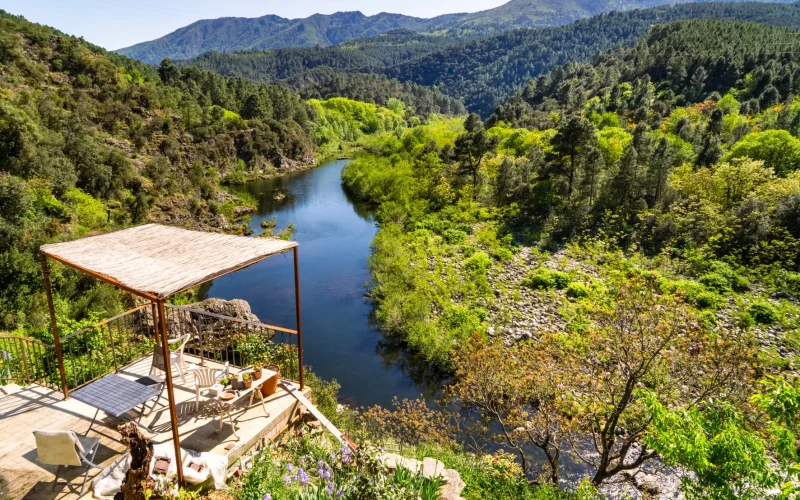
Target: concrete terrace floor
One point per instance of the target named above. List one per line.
(23, 410)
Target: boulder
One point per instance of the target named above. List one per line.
(432, 467)
(392, 461)
(180, 322)
(453, 486)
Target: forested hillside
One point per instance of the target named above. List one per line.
(274, 32)
(325, 83)
(318, 72)
(620, 243)
(481, 73)
(372, 53)
(232, 34)
(486, 72)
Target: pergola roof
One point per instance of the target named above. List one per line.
(156, 260)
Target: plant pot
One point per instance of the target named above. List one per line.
(256, 375)
(270, 386)
(247, 383)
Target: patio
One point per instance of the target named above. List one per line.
(23, 410)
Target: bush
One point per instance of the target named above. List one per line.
(763, 312)
(502, 254)
(716, 282)
(546, 279)
(478, 264)
(454, 236)
(577, 290)
(709, 300)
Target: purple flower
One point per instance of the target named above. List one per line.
(301, 474)
(323, 470)
(289, 468)
(346, 454)
(267, 497)
(287, 479)
(329, 488)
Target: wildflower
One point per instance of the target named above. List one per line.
(267, 497)
(287, 479)
(5, 355)
(329, 488)
(301, 474)
(323, 470)
(289, 468)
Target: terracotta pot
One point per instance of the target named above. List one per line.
(270, 386)
(256, 375)
(247, 383)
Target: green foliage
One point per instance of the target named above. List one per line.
(763, 312)
(544, 278)
(577, 290)
(454, 236)
(728, 459)
(88, 211)
(778, 149)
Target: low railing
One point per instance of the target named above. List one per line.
(105, 347)
(24, 360)
(237, 341)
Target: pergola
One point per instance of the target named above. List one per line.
(155, 262)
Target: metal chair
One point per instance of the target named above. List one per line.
(175, 357)
(66, 449)
(205, 378)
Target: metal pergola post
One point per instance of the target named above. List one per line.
(54, 325)
(162, 319)
(299, 318)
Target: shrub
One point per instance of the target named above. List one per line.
(709, 300)
(454, 236)
(577, 290)
(89, 211)
(479, 263)
(546, 279)
(502, 254)
(716, 282)
(763, 312)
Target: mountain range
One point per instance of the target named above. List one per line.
(231, 34)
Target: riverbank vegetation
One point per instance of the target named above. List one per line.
(613, 256)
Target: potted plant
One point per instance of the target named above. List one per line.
(257, 368)
(247, 380)
(270, 386)
(225, 381)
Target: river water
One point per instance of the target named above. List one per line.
(334, 234)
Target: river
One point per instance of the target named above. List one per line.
(334, 234)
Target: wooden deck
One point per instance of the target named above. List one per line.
(23, 410)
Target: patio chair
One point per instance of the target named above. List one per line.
(175, 357)
(205, 378)
(66, 449)
(158, 384)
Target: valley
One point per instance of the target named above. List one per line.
(554, 246)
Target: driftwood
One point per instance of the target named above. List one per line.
(137, 480)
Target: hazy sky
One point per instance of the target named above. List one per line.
(114, 24)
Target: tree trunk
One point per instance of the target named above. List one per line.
(137, 480)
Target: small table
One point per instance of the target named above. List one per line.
(226, 407)
(114, 395)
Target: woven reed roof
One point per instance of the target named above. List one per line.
(162, 260)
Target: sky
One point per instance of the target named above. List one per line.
(114, 24)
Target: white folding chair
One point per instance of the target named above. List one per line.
(66, 449)
(205, 378)
(175, 357)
